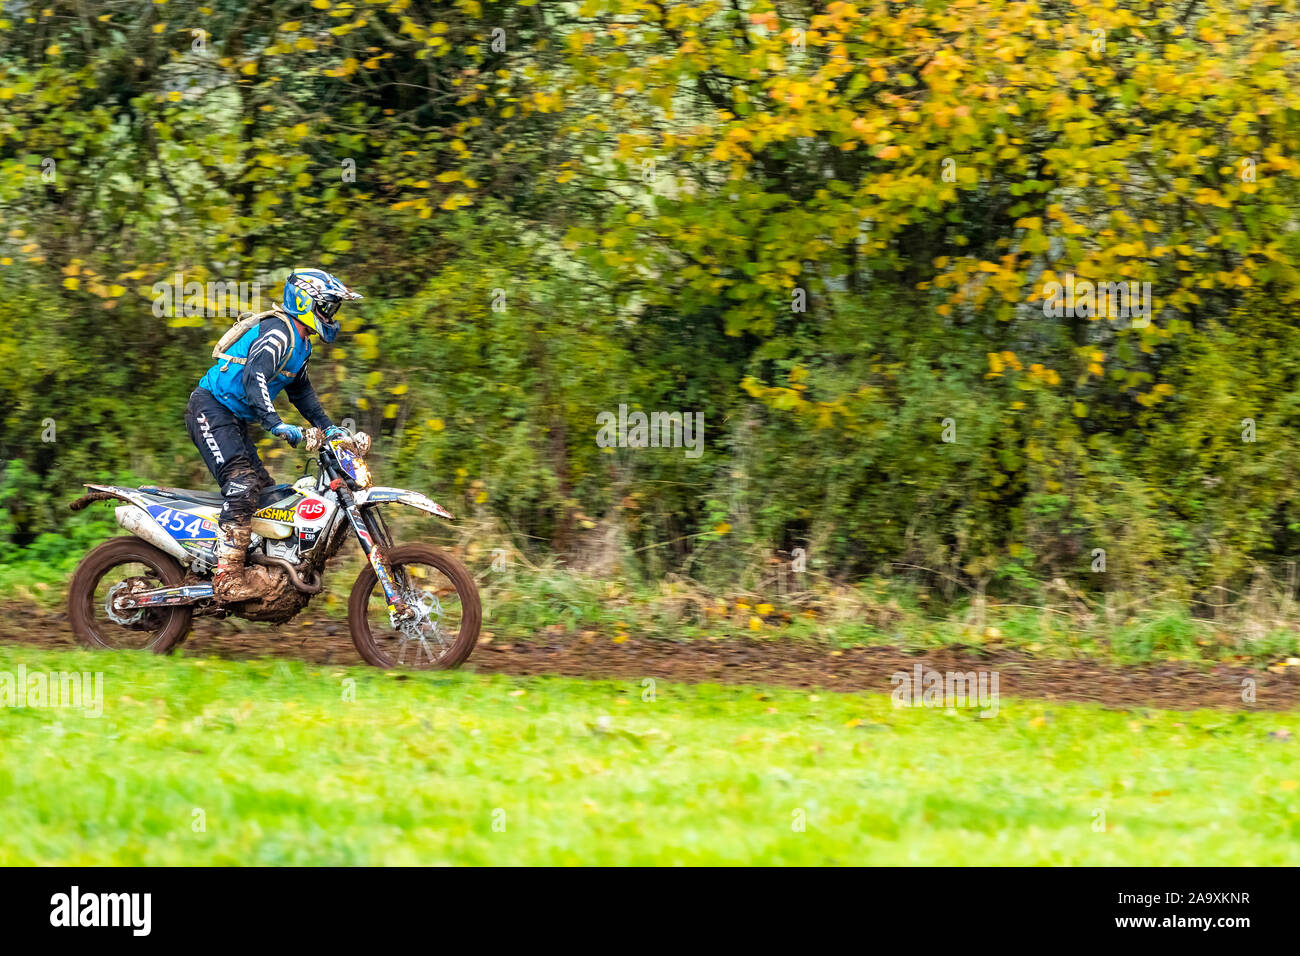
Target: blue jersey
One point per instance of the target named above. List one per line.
(275, 355)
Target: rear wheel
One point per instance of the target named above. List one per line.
(448, 612)
(125, 564)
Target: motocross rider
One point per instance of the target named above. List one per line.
(231, 394)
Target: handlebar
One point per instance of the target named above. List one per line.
(356, 442)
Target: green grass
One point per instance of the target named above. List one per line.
(415, 771)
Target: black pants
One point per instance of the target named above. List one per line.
(222, 439)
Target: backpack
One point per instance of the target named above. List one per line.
(248, 320)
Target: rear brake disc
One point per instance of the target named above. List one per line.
(127, 586)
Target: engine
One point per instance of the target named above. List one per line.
(289, 531)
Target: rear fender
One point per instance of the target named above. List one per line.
(136, 517)
(374, 496)
(105, 492)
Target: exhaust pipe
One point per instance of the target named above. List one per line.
(314, 586)
(137, 521)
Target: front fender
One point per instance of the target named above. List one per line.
(374, 496)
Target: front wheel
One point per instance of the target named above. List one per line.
(447, 618)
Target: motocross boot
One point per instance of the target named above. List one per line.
(233, 581)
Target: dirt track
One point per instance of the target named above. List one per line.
(742, 661)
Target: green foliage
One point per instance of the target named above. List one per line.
(556, 209)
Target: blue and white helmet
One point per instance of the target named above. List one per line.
(313, 297)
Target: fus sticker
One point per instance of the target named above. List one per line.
(311, 509)
(275, 514)
(182, 524)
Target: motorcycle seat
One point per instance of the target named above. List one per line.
(268, 496)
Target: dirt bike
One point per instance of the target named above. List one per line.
(142, 590)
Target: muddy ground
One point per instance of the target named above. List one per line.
(741, 660)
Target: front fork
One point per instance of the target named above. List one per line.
(397, 608)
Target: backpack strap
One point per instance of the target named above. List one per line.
(248, 320)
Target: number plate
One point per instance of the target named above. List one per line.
(183, 525)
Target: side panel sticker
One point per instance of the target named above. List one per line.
(183, 525)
